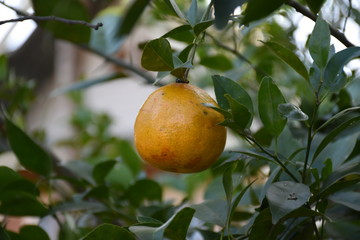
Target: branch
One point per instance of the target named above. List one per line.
(120, 63)
(306, 12)
(53, 18)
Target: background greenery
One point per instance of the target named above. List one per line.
(296, 173)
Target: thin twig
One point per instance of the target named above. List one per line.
(149, 79)
(237, 54)
(306, 12)
(53, 18)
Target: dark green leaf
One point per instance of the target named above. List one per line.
(315, 5)
(212, 211)
(184, 54)
(20, 185)
(225, 86)
(31, 232)
(60, 8)
(292, 112)
(7, 175)
(30, 154)
(217, 62)
(261, 227)
(178, 226)
(202, 26)
(132, 16)
(223, 10)
(192, 13)
(175, 8)
(289, 57)
(177, 30)
(269, 99)
(3, 234)
(157, 55)
(109, 231)
(286, 196)
(3, 67)
(85, 84)
(349, 199)
(333, 79)
(315, 77)
(21, 204)
(319, 43)
(257, 9)
(220, 110)
(341, 172)
(331, 136)
(240, 114)
(144, 189)
(101, 170)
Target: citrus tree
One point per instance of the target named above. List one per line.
(294, 173)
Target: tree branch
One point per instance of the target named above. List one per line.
(120, 63)
(53, 18)
(306, 12)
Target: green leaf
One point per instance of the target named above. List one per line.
(346, 169)
(286, 196)
(217, 62)
(348, 199)
(269, 99)
(289, 57)
(240, 114)
(175, 8)
(101, 170)
(18, 203)
(3, 67)
(319, 43)
(177, 30)
(292, 112)
(175, 228)
(202, 26)
(144, 189)
(75, 33)
(104, 39)
(130, 157)
(257, 9)
(3, 234)
(30, 154)
(223, 10)
(225, 86)
(315, 5)
(132, 16)
(212, 211)
(31, 232)
(331, 136)
(333, 73)
(157, 55)
(7, 175)
(85, 84)
(109, 231)
(192, 13)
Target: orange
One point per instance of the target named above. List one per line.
(175, 132)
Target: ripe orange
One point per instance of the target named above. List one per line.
(175, 132)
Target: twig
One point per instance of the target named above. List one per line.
(53, 18)
(306, 12)
(236, 53)
(120, 63)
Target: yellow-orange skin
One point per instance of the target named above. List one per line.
(175, 132)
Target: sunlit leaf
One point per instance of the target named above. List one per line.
(269, 99)
(30, 154)
(286, 196)
(289, 57)
(157, 55)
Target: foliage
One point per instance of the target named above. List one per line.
(295, 176)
